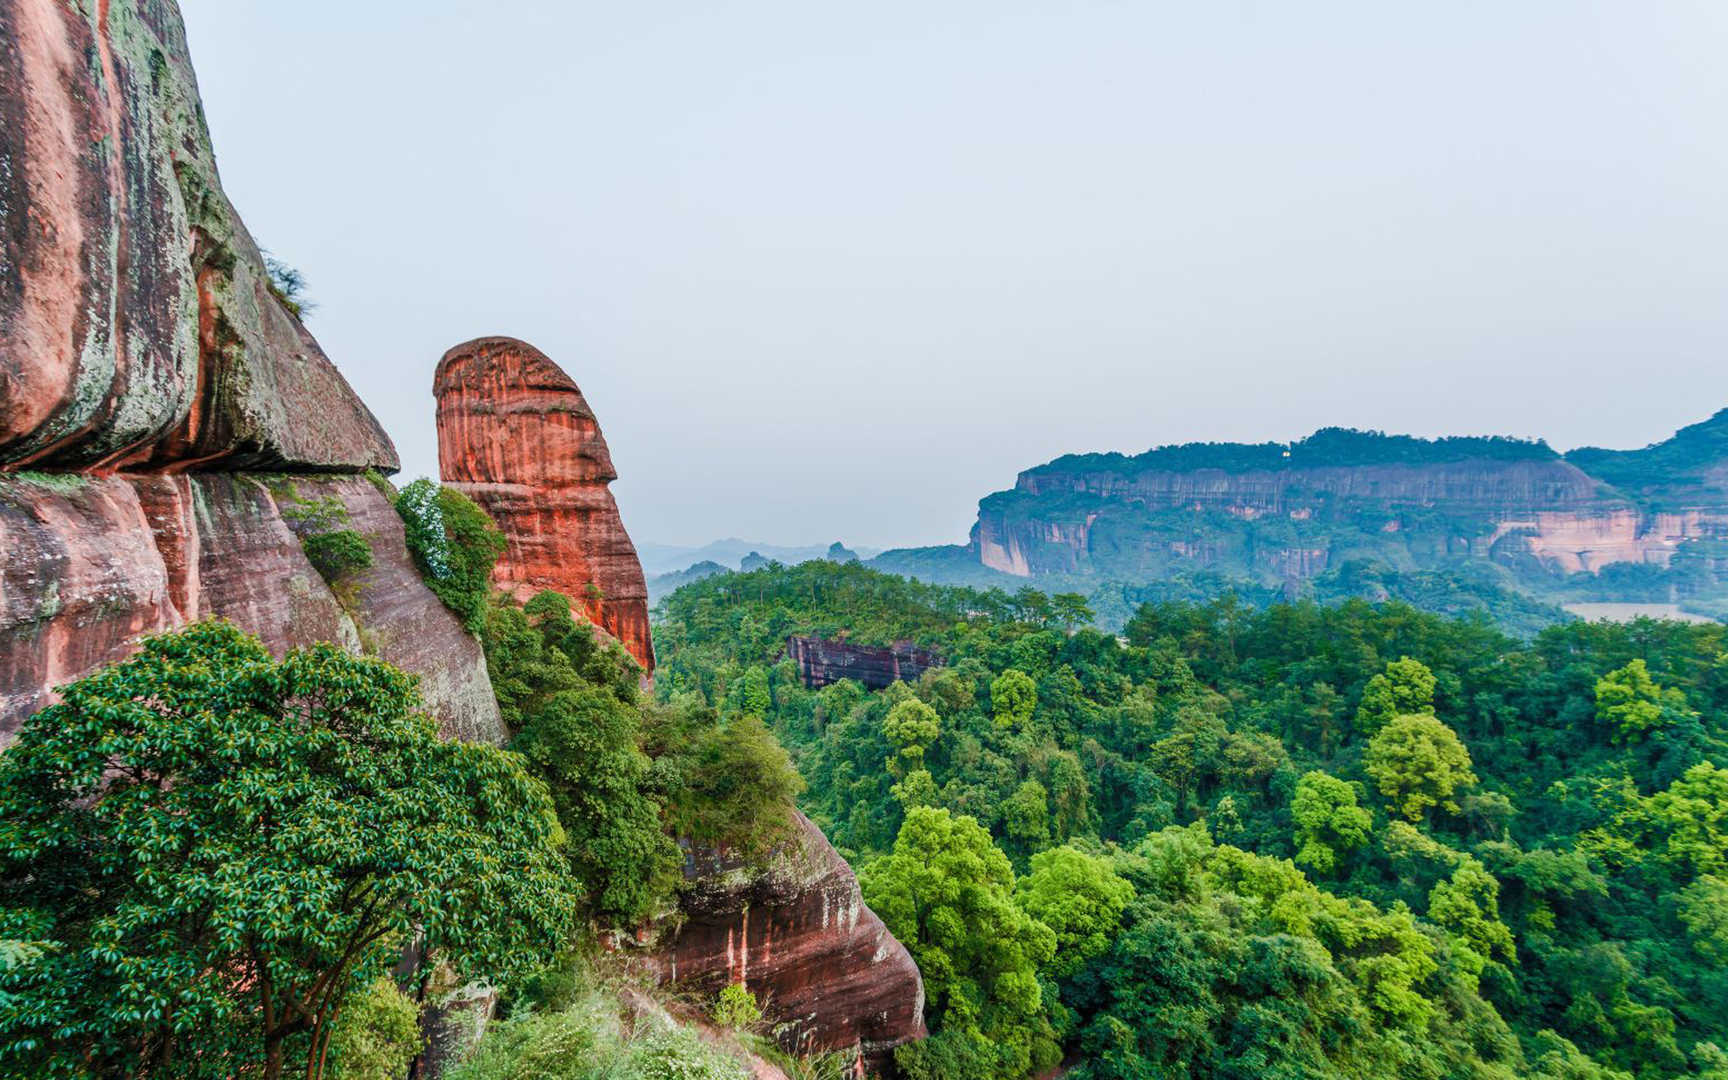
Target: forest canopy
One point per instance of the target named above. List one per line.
(1298, 841)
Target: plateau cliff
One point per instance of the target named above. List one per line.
(1591, 524)
(165, 418)
(516, 435)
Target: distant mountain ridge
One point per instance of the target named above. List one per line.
(1645, 525)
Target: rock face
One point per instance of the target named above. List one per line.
(93, 562)
(821, 662)
(138, 328)
(798, 936)
(1288, 512)
(517, 436)
(144, 361)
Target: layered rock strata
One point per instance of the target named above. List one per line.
(798, 935)
(146, 358)
(138, 324)
(94, 562)
(517, 436)
(821, 662)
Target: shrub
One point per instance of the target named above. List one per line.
(454, 544)
(377, 1035)
(736, 1008)
(335, 555)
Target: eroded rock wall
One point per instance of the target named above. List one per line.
(137, 325)
(145, 359)
(798, 936)
(517, 436)
(822, 662)
(94, 562)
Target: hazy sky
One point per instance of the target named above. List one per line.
(838, 270)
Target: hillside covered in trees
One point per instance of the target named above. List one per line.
(1303, 841)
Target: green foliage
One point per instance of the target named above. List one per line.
(585, 745)
(1704, 910)
(336, 555)
(735, 1008)
(287, 285)
(733, 788)
(454, 544)
(376, 1036)
(911, 726)
(587, 1041)
(335, 551)
(1417, 762)
(1013, 699)
(1080, 898)
(221, 848)
(948, 894)
(1328, 821)
(1559, 922)
(1630, 703)
(1406, 687)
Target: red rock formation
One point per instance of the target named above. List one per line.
(93, 562)
(140, 343)
(821, 662)
(798, 936)
(516, 435)
(137, 325)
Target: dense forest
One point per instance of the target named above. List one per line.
(1334, 447)
(1293, 841)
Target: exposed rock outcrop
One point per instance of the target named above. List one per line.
(517, 436)
(1276, 512)
(144, 359)
(94, 562)
(138, 328)
(798, 936)
(822, 662)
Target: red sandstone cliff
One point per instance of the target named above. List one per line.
(799, 936)
(516, 435)
(143, 359)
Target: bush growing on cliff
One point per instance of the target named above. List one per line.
(333, 549)
(217, 849)
(454, 544)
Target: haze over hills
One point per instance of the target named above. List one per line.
(731, 553)
(1502, 517)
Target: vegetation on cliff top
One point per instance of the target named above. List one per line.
(1327, 448)
(1297, 841)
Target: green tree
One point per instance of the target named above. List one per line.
(1418, 762)
(1013, 699)
(1630, 703)
(1406, 687)
(1081, 898)
(584, 744)
(377, 1036)
(1328, 820)
(222, 849)
(1071, 610)
(1468, 906)
(1026, 817)
(734, 787)
(1703, 907)
(911, 727)
(948, 894)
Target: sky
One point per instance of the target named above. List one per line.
(837, 271)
